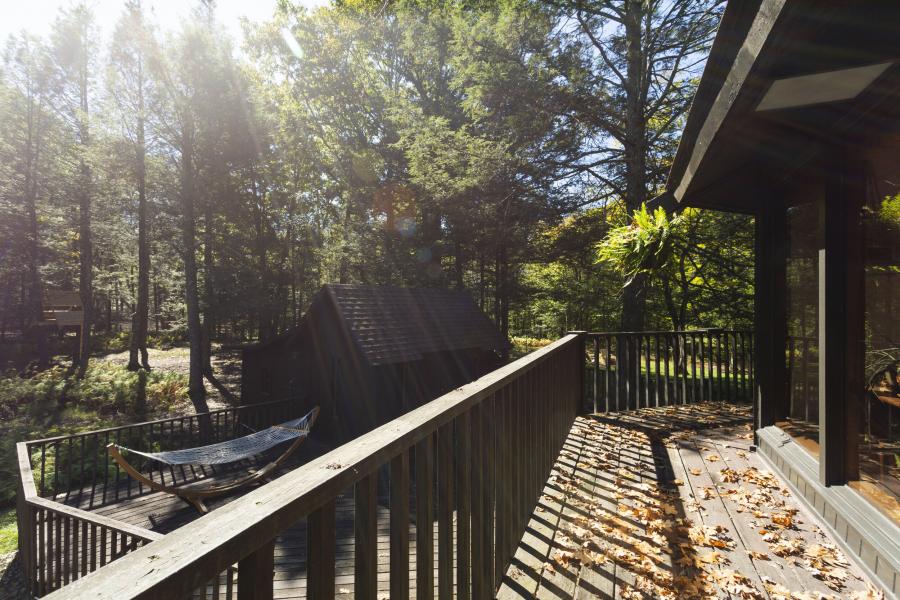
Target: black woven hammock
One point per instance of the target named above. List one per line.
(234, 450)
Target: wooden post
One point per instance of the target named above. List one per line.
(424, 518)
(320, 553)
(596, 393)
(841, 322)
(445, 512)
(365, 572)
(256, 573)
(464, 510)
(25, 514)
(399, 553)
(770, 396)
(582, 366)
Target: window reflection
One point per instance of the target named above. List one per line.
(804, 240)
(879, 446)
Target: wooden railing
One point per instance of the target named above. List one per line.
(482, 452)
(60, 543)
(633, 370)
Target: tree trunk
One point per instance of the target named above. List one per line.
(196, 391)
(86, 279)
(209, 322)
(634, 296)
(35, 296)
(141, 316)
(35, 291)
(459, 263)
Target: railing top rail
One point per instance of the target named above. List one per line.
(83, 515)
(59, 438)
(188, 557)
(670, 332)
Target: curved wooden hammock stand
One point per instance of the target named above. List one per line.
(194, 492)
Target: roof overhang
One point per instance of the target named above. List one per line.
(785, 80)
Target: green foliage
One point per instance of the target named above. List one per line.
(32, 407)
(107, 389)
(482, 146)
(699, 264)
(9, 535)
(522, 345)
(889, 212)
(642, 245)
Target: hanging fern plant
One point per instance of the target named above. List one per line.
(643, 245)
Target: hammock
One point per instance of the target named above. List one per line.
(230, 451)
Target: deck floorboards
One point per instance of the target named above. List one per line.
(672, 503)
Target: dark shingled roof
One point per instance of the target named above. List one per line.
(392, 324)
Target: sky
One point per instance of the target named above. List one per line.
(37, 16)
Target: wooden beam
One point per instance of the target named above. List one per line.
(745, 59)
(446, 502)
(841, 320)
(320, 546)
(770, 316)
(399, 553)
(425, 518)
(463, 508)
(365, 573)
(257, 573)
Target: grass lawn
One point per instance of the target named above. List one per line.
(9, 536)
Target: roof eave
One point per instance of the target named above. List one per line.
(743, 33)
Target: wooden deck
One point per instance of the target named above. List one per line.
(672, 503)
(654, 503)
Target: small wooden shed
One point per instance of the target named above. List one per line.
(367, 354)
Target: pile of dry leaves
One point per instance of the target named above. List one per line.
(642, 535)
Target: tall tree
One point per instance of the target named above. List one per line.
(73, 53)
(26, 121)
(178, 70)
(641, 58)
(129, 81)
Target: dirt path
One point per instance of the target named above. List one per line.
(226, 365)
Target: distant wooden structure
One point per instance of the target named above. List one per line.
(367, 354)
(63, 309)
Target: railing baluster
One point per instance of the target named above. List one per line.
(694, 390)
(425, 518)
(646, 342)
(320, 548)
(255, 580)
(58, 548)
(366, 537)
(399, 552)
(596, 345)
(479, 584)
(656, 370)
(463, 508)
(488, 486)
(728, 392)
(445, 511)
(608, 370)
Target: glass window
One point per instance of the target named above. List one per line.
(804, 235)
(879, 448)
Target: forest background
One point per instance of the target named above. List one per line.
(197, 189)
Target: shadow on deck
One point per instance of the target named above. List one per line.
(672, 503)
